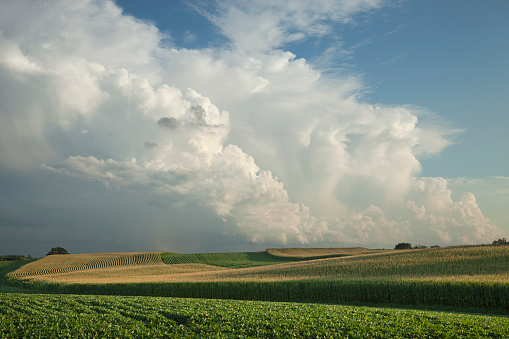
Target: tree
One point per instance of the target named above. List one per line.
(403, 246)
(502, 241)
(57, 250)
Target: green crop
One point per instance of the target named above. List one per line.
(235, 259)
(75, 316)
(483, 262)
(230, 260)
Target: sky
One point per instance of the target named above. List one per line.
(233, 125)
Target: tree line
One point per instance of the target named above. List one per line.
(12, 257)
(408, 246)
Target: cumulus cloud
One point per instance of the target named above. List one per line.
(259, 139)
(170, 123)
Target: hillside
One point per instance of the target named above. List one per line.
(153, 266)
(58, 264)
(481, 263)
(464, 277)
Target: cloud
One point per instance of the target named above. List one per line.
(170, 123)
(266, 25)
(189, 38)
(258, 139)
(492, 193)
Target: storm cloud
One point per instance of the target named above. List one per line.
(254, 136)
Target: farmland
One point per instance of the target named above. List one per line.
(80, 316)
(54, 264)
(276, 290)
(463, 277)
(269, 257)
(320, 252)
(465, 264)
(227, 260)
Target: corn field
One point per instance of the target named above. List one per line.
(54, 264)
(468, 277)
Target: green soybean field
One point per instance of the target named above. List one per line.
(80, 316)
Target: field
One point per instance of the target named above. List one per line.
(227, 260)
(55, 264)
(78, 316)
(463, 279)
(460, 264)
(320, 252)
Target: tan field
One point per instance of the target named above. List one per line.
(55, 264)
(129, 274)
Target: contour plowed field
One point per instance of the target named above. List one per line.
(55, 264)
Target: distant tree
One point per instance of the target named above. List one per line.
(435, 246)
(11, 257)
(403, 246)
(57, 250)
(502, 241)
(420, 247)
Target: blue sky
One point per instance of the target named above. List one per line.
(228, 125)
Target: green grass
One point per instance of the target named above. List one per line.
(75, 316)
(4, 264)
(9, 266)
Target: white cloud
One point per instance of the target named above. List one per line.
(189, 38)
(258, 138)
(264, 25)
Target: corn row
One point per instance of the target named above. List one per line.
(78, 262)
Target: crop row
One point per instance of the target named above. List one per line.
(251, 259)
(54, 264)
(76, 316)
(459, 295)
(460, 263)
(319, 252)
(230, 260)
